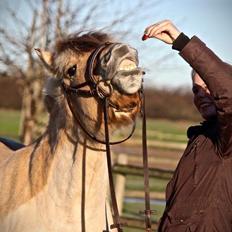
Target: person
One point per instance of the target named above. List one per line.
(199, 195)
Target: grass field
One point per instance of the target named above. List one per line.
(136, 183)
(158, 130)
(9, 123)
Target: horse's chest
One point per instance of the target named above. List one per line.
(73, 199)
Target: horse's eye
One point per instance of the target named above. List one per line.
(195, 89)
(72, 71)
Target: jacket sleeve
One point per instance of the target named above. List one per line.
(218, 77)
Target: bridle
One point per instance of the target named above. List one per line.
(102, 90)
(97, 91)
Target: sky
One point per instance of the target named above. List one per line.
(208, 19)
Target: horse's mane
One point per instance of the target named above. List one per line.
(80, 42)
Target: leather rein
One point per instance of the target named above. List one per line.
(102, 90)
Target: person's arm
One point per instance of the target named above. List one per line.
(216, 74)
(218, 77)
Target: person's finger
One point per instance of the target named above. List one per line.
(146, 31)
(158, 27)
(164, 37)
(157, 30)
(170, 30)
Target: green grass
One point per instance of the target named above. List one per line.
(9, 123)
(133, 209)
(158, 129)
(136, 183)
(162, 130)
(132, 230)
(166, 126)
(161, 136)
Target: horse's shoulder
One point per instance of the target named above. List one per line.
(5, 151)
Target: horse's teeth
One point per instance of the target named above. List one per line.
(127, 67)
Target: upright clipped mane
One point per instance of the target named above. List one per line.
(82, 42)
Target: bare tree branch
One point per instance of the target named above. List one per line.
(59, 15)
(11, 66)
(11, 39)
(90, 15)
(73, 15)
(31, 5)
(44, 25)
(30, 41)
(20, 23)
(50, 20)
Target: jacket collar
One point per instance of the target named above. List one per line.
(207, 128)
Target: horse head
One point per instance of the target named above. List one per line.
(90, 68)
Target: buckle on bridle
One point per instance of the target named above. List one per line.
(103, 89)
(147, 214)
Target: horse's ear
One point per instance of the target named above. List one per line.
(45, 57)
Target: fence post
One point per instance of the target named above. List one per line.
(120, 183)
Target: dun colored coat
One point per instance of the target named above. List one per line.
(59, 183)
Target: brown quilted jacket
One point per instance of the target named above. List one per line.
(199, 196)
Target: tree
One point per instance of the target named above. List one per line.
(44, 22)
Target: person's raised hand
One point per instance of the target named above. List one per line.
(164, 31)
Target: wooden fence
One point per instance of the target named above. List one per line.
(122, 169)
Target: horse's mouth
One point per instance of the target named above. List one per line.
(127, 65)
(128, 78)
(127, 68)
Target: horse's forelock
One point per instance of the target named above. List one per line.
(80, 42)
(75, 44)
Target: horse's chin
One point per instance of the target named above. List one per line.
(127, 117)
(126, 113)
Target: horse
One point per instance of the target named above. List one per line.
(59, 182)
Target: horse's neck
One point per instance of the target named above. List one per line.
(67, 187)
(78, 170)
(75, 158)
(77, 182)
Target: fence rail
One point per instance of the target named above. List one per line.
(134, 170)
(137, 223)
(121, 169)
